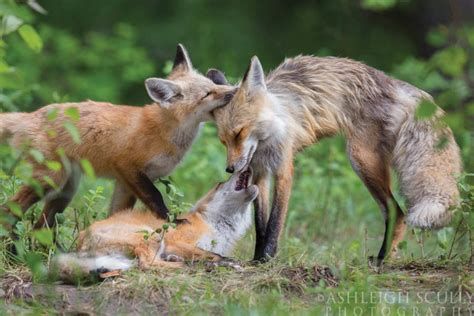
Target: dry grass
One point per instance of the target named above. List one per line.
(197, 289)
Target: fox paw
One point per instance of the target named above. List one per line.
(376, 264)
(171, 258)
(228, 263)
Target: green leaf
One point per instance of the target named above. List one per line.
(36, 6)
(72, 130)
(4, 68)
(37, 155)
(53, 165)
(402, 245)
(15, 209)
(50, 181)
(31, 38)
(425, 110)
(444, 236)
(52, 114)
(72, 113)
(378, 5)
(87, 168)
(438, 37)
(9, 23)
(60, 218)
(3, 232)
(168, 67)
(35, 263)
(442, 142)
(44, 236)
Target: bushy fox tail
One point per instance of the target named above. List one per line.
(10, 123)
(427, 160)
(75, 266)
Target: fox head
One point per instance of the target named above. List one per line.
(229, 198)
(186, 92)
(247, 120)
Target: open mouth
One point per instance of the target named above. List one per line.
(243, 181)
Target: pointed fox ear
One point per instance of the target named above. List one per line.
(181, 60)
(217, 77)
(162, 90)
(254, 77)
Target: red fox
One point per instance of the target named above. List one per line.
(308, 98)
(134, 145)
(216, 223)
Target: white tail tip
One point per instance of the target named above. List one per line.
(428, 214)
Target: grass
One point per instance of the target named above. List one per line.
(279, 287)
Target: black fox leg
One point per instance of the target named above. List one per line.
(145, 190)
(58, 202)
(261, 212)
(276, 221)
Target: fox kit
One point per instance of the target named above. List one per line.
(216, 223)
(134, 145)
(308, 98)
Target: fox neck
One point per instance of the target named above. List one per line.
(272, 148)
(227, 227)
(185, 132)
(181, 127)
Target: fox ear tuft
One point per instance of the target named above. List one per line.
(181, 60)
(162, 90)
(217, 77)
(254, 77)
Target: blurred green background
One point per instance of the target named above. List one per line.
(103, 50)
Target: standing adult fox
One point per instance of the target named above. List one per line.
(134, 145)
(308, 98)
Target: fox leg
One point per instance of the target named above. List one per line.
(59, 201)
(261, 210)
(25, 198)
(145, 190)
(371, 165)
(190, 252)
(122, 198)
(183, 250)
(281, 196)
(148, 257)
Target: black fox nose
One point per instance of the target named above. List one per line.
(230, 169)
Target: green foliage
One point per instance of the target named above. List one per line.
(378, 5)
(426, 109)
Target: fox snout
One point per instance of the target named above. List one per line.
(235, 160)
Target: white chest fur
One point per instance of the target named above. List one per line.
(227, 230)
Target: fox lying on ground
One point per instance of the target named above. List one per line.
(134, 145)
(308, 98)
(216, 223)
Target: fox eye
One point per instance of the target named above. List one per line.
(239, 133)
(207, 94)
